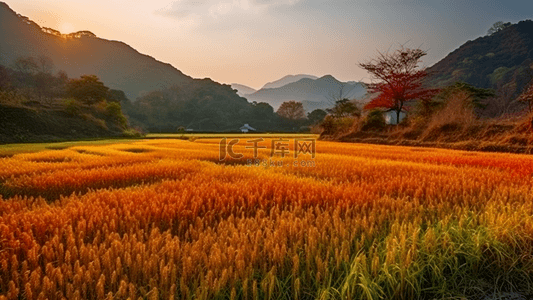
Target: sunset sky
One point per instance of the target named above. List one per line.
(252, 42)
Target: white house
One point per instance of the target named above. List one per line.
(246, 128)
(391, 116)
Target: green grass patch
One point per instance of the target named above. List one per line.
(12, 149)
(228, 135)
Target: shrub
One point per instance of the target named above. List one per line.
(336, 125)
(374, 121)
(101, 123)
(72, 107)
(12, 98)
(114, 110)
(132, 133)
(456, 115)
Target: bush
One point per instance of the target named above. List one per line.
(374, 121)
(72, 107)
(132, 133)
(332, 125)
(12, 98)
(457, 114)
(114, 110)
(101, 123)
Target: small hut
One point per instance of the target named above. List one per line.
(247, 128)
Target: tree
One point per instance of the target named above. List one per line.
(44, 83)
(26, 65)
(117, 96)
(397, 78)
(316, 116)
(88, 89)
(498, 26)
(477, 95)
(262, 111)
(45, 64)
(291, 110)
(338, 94)
(344, 108)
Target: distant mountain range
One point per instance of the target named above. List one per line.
(242, 89)
(318, 93)
(286, 80)
(502, 61)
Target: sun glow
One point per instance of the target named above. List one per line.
(66, 28)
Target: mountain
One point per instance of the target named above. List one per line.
(317, 93)
(242, 90)
(502, 61)
(118, 65)
(286, 80)
(166, 99)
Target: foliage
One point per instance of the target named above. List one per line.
(262, 110)
(33, 78)
(291, 110)
(115, 111)
(374, 120)
(527, 96)
(117, 96)
(316, 116)
(12, 98)
(202, 105)
(135, 220)
(476, 95)
(455, 114)
(344, 108)
(498, 26)
(132, 133)
(87, 89)
(26, 65)
(333, 125)
(399, 79)
(72, 107)
(500, 61)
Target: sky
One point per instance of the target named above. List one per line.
(253, 42)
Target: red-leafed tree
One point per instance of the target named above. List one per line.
(397, 78)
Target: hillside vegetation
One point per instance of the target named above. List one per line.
(501, 61)
(479, 97)
(118, 65)
(36, 105)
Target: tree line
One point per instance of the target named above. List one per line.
(33, 82)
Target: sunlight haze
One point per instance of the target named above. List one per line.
(252, 42)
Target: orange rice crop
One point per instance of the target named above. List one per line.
(166, 219)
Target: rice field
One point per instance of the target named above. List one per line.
(172, 219)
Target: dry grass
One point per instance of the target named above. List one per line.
(172, 222)
(455, 127)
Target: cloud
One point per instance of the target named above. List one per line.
(219, 8)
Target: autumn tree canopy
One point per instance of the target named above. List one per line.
(397, 78)
(291, 110)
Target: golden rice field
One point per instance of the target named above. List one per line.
(165, 219)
